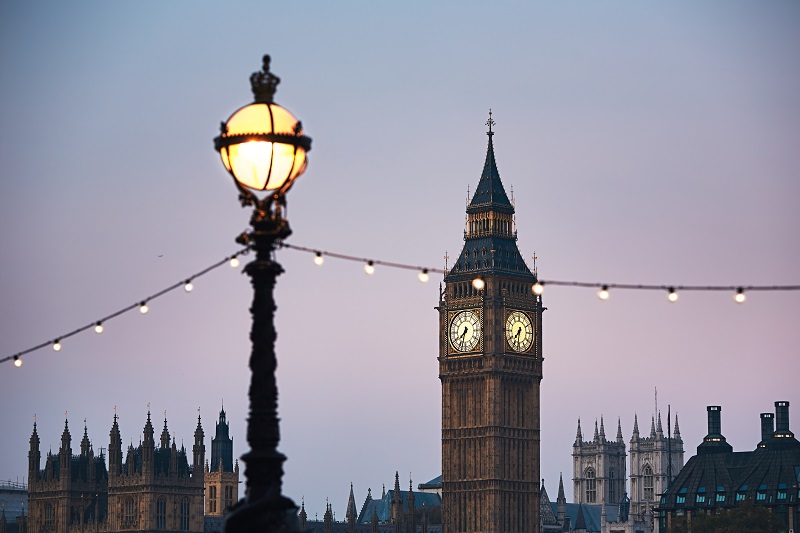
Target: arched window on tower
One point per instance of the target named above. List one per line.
(130, 512)
(612, 487)
(185, 514)
(49, 515)
(591, 486)
(212, 499)
(647, 482)
(161, 514)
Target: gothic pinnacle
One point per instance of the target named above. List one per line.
(619, 430)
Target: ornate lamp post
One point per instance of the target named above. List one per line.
(263, 147)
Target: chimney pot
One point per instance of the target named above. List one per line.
(714, 420)
(782, 420)
(767, 426)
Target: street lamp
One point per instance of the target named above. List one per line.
(263, 147)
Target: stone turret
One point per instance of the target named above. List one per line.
(561, 501)
(114, 449)
(199, 450)
(65, 457)
(165, 434)
(411, 521)
(352, 514)
(148, 450)
(85, 440)
(327, 520)
(34, 457)
(303, 517)
(397, 501)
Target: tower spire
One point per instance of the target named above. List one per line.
(619, 430)
(579, 434)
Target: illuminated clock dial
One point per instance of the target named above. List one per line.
(465, 331)
(519, 331)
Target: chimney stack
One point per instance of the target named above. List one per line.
(714, 420)
(782, 420)
(714, 442)
(767, 427)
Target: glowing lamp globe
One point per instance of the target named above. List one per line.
(262, 145)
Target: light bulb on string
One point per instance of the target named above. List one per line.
(234, 262)
(318, 259)
(672, 296)
(423, 276)
(17, 361)
(98, 328)
(57, 345)
(143, 308)
(478, 283)
(739, 297)
(538, 288)
(187, 286)
(603, 293)
(369, 268)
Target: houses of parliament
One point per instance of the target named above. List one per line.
(150, 487)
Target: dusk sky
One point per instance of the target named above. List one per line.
(645, 143)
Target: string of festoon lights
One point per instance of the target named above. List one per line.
(423, 275)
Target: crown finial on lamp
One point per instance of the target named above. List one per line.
(264, 83)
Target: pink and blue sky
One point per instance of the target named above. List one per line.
(645, 143)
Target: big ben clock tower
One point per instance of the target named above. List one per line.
(490, 365)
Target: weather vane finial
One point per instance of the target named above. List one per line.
(490, 123)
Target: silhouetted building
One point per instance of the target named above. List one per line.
(718, 479)
(407, 511)
(222, 477)
(598, 466)
(72, 490)
(153, 489)
(490, 366)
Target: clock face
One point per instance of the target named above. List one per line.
(465, 331)
(519, 331)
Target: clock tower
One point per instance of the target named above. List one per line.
(490, 365)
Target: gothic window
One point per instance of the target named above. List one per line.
(591, 486)
(129, 511)
(185, 514)
(161, 514)
(612, 487)
(647, 482)
(49, 515)
(228, 497)
(212, 499)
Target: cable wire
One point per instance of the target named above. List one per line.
(604, 286)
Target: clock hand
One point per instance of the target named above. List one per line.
(519, 330)
(463, 333)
